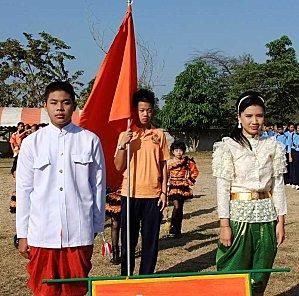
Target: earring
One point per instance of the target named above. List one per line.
(239, 125)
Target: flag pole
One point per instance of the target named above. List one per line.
(128, 204)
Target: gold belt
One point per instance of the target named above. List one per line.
(250, 195)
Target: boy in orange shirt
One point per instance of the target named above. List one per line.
(148, 184)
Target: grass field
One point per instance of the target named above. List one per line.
(195, 251)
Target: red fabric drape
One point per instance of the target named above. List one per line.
(109, 104)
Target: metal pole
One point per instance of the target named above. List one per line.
(128, 204)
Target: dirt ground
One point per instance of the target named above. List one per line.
(195, 251)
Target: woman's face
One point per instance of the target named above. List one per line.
(252, 120)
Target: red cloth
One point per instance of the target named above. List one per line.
(62, 263)
(110, 102)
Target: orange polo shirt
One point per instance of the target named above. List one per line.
(16, 140)
(148, 149)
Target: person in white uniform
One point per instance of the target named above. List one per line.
(61, 188)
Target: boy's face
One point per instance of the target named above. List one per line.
(291, 128)
(145, 112)
(20, 127)
(280, 130)
(60, 108)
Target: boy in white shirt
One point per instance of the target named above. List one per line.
(61, 197)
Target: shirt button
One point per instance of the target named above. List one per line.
(61, 153)
(61, 189)
(60, 171)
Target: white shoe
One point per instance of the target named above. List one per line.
(294, 186)
(288, 184)
(297, 187)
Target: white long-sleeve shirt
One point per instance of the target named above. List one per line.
(60, 187)
(239, 169)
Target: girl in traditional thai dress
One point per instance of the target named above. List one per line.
(182, 172)
(250, 194)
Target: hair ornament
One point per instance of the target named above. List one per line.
(246, 97)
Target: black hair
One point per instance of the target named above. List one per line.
(178, 144)
(279, 125)
(245, 100)
(60, 85)
(143, 95)
(20, 123)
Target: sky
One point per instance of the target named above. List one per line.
(175, 30)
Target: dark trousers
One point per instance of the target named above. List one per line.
(287, 175)
(145, 215)
(295, 167)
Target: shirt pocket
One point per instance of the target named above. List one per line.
(83, 158)
(41, 162)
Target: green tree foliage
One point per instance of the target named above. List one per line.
(25, 70)
(277, 79)
(205, 93)
(195, 102)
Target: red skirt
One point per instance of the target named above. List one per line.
(62, 263)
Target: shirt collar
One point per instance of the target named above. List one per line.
(67, 128)
(140, 130)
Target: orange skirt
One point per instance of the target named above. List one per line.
(179, 188)
(62, 263)
(113, 205)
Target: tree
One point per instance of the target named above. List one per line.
(196, 102)
(26, 70)
(277, 79)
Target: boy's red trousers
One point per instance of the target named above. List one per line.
(62, 263)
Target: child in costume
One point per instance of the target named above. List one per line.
(182, 173)
(250, 194)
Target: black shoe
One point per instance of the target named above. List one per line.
(16, 241)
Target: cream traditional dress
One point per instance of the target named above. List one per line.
(250, 192)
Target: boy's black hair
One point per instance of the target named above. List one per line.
(279, 125)
(290, 123)
(21, 122)
(60, 85)
(178, 144)
(143, 95)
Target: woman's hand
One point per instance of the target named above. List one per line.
(280, 233)
(226, 236)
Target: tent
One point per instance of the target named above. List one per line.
(10, 116)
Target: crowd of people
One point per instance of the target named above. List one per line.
(62, 196)
(288, 136)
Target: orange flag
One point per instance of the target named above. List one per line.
(109, 105)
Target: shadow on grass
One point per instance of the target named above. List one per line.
(193, 265)
(199, 212)
(294, 291)
(193, 235)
